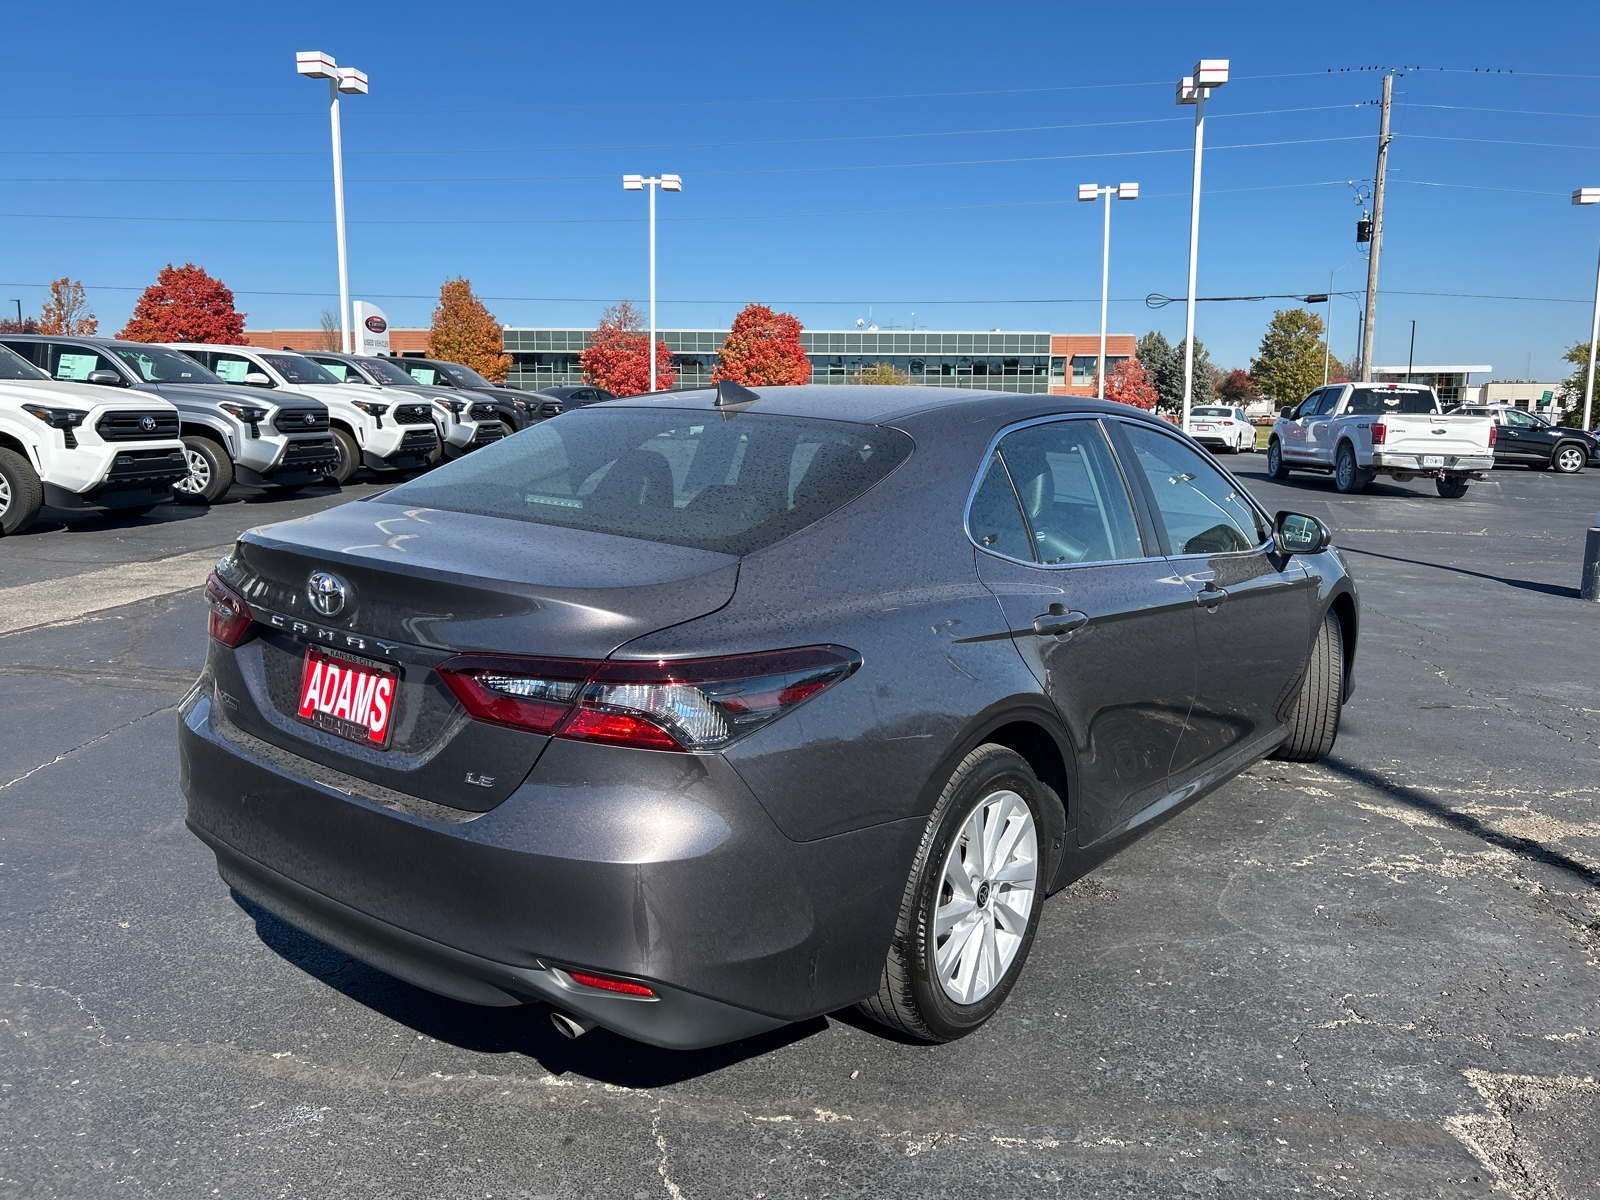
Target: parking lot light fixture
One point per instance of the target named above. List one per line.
(638, 183)
(1093, 191)
(1590, 196)
(1193, 89)
(314, 64)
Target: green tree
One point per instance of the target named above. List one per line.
(1571, 394)
(1204, 388)
(1288, 367)
(882, 372)
(1155, 353)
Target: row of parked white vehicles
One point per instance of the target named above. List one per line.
(100, 423)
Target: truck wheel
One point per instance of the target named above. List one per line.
(1314, 720)
(210, 473)
(1347, 476)
(349, 458)
(1452, 487)
(21, 493)
(1568, 458)
(1275, 467)
(971, 906)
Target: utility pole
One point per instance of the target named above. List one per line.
(1369, 320)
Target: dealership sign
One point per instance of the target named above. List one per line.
(372, 329)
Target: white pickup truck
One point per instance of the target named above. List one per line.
(79, 445)
(1356, 431)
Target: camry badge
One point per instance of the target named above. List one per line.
(148, 424)
(326, 593)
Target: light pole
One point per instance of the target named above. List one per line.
(1589, 196)
(1193, 89)
(1091, 192)
(1327, 333)
(317, 65)
(638, 183)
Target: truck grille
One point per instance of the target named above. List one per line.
(485, 412)
(413, 414)
(137, 426)
(418, 441)
(301, 420)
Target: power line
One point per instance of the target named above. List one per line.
(964, 162)
(866, 137)
(1517, 112)
(1434, 137)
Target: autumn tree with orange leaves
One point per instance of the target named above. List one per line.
(466, 332)
(1128, 384)
(185, 304)
(67, 311)
(763, 347)
(618, 354)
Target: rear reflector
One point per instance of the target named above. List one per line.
(606, 984)
(230, 617)
(690, 704)
(1380, 433)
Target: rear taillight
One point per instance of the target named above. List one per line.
(1380, 433)
(1494, 431)
(691, 704)
(230, 617)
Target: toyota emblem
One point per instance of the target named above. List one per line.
(147, 423)
(311, 418)
(326, 592)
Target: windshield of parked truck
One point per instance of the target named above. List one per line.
(156, 365)
(388, 371)
(297, 368)
(464, 376)
(1382, 401)
(14, 366)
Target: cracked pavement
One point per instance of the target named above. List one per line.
(1375, 976)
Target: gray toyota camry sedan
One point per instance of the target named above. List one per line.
(695, 714)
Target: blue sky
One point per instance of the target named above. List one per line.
(840, 161)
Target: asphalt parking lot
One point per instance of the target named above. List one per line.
(1377, 976)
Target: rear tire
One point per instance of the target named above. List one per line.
(349, 458)
(1452, 487)
(971, 907)
(21, 493)
(1349, 478)
(1314, 720)
(1275, 465)
(1569, 458)
(210, 473)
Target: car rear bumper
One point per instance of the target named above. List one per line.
(1412, 462)
(652, 866)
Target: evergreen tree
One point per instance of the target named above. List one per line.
(1155, 353)
(1171, 382)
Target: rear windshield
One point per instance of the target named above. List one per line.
(1370, 402)
(14, 366)
(689, 478)
(1211, 412)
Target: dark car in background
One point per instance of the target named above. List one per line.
(1528, 439)
(716, 710)
(518, 409)
(577, 395)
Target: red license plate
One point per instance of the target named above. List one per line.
(351, 698)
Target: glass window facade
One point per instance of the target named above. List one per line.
(993, 361)
(1083, 367)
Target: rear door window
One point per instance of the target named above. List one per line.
(686, 477)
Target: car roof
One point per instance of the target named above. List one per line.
(879, 405)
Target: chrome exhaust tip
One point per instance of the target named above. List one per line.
(571, 1027)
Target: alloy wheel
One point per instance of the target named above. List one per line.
(1569, 460)
(5, 495)
(987, 891)
(199, 477)
(1347, 472)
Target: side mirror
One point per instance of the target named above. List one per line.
(1287, 412)
(105, 378)
(1296, 533)
(257, 379)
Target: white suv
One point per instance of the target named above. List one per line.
(79, 445)
(368, 427)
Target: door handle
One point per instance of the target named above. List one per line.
(1059, 625)
(1211, 595)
